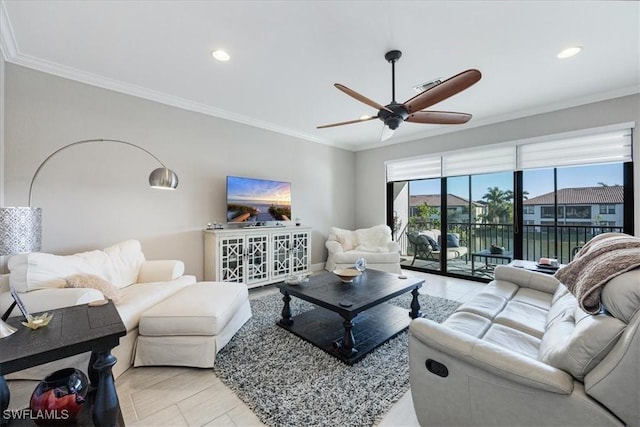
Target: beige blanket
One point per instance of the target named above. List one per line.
(604, 257)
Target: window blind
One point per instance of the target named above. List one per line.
(612, 144)
(416, 168)
(487, 159)
(604, 147)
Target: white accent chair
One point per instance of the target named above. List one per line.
(374, 244)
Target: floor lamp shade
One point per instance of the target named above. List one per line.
(20, 230)
(163, 178)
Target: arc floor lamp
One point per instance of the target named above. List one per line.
(21, 227)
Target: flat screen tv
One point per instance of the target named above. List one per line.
(257, 200)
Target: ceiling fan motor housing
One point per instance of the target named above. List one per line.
(393, 120)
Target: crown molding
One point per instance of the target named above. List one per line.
(7, 40)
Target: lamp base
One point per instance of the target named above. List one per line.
(5, 329)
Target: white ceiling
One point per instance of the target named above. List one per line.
(286, 55)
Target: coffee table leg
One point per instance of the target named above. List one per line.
(415, 305)
(105, 405)
(348, 341)
(5, 395)
(286, 311)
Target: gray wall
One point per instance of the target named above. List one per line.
(95, 195)
(370, 170)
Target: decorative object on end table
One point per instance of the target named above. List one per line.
(36, 322)
(60, 397)
(346, 275)
(495, 249)
(361, 264)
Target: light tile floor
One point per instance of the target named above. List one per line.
(177, 397)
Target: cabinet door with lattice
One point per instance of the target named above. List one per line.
(280, 255)
(257, 262)
(300, 256)
(231, 259)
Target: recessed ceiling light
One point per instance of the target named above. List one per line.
(220, 55)
(569, 52)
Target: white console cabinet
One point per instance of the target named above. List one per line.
(257, 255)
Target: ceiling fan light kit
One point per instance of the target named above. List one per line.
(412, 110)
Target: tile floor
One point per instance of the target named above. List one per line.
(165, 396)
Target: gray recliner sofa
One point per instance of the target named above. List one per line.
(524, 353)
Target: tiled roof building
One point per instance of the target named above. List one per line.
(613, 194)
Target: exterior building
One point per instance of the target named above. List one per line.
(601, 206)
(457, 207)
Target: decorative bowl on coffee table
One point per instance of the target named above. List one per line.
(346, 275)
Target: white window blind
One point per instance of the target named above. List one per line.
(487, 159)
(612, 144)
(416, 168)
(604, 147)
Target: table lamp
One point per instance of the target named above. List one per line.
(21, 227)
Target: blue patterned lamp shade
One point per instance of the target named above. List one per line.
(20, 230)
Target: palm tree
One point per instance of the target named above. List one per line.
(499, 206)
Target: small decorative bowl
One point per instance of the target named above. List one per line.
(346, 275)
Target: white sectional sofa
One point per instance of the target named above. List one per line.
(139, 284)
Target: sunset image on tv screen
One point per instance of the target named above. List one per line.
(251, 199)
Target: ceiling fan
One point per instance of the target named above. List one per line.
(412, 110)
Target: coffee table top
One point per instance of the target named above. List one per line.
(369, 289)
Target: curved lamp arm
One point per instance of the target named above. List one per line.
(163, 177)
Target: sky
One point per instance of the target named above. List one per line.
(536, 182)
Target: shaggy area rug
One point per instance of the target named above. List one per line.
(289, 382)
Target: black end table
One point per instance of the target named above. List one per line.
(367, 320)
(72, 330)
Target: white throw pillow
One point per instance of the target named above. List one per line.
(40, 271)
(374, 237)
(346, 238)
(118, 264)
(126, 258)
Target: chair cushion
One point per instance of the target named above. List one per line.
(453, 240)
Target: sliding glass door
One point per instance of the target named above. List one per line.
(558, 211)
(566, 207)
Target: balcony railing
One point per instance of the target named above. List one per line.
(549, 241)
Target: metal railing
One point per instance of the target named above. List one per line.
(551, 241)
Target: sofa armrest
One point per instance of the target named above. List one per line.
(4, 283)
(160, 271)
(48, 299)
(527, 279)
(502, 363)
(334, 247)
(393, 247)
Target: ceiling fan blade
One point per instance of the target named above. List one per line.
(444, 90)
(439, 117)
(346, 123)
(387, 133)
(352, 93)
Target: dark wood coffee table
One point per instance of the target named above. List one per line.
(72, 330)
(367, 320)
